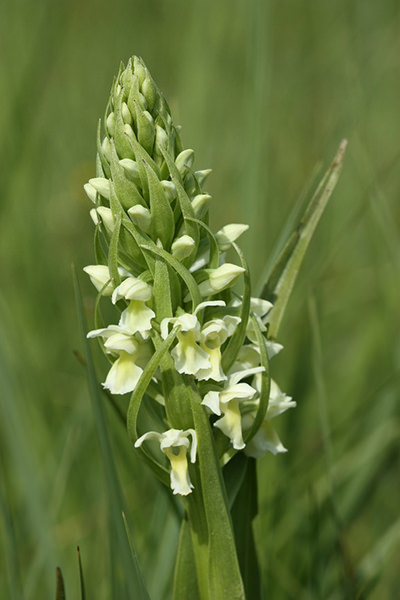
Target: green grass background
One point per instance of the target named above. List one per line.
(265, 91)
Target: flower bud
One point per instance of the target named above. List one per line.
(90, 192)
(102, 186)
(131, 169)
(110, 123)
(100, 276)
(106, 217)
(183, 247)
(229, 234)
(126, 114)
(220, 278)
(184, 161)
(200, 204)
(141, 216)
(106, 148)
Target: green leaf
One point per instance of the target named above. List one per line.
(280, 283)
(113, 252)
(224, 579)
(126, 190)
(162, 291)
(162, 217)
(134, 579)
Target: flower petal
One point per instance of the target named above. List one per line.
(123, 375)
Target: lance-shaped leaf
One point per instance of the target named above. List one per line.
(127, 192)
(283, 275)
(162, 217)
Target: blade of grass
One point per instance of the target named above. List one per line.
(279, 286)
(81, 579)
(60, 588)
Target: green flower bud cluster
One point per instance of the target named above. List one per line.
(144, 174)
(165, 272)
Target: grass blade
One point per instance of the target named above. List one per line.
(60, 588)
(81, 580)
(284, 273)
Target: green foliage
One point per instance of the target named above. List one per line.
(264, 91)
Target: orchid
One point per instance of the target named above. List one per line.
(182, 331)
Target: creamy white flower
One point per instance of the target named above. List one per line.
(227, 402)
(175, 445)
(137, 316)
(125, 371)
(197, 351)
(266, 439)
(212, 335)
(188, 356)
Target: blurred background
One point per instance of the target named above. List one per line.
(264, 91)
